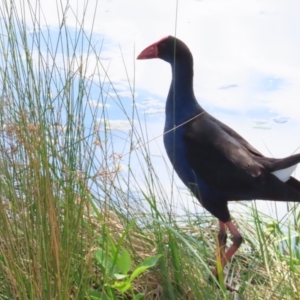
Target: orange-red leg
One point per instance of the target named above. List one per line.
(237, 240)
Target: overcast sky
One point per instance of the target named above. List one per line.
(246, 60)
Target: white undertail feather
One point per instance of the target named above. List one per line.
(284, 174)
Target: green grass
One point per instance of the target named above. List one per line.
(71, 226)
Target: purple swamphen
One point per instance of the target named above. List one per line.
(212, 160)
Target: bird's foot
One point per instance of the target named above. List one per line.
(228, 287)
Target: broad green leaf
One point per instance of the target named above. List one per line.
(105, 261)
(138, 296)
(120, 276)
(121, 286)
(124, 262)
(137, 272)
(142, 267)
(150, 261)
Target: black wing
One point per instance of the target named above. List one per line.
(229, 164)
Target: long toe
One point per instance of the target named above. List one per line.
(211, 279)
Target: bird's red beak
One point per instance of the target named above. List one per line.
(151, 51)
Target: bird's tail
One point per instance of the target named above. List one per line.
(294, 183)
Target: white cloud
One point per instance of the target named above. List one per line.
(260, 122)
(122, 125)
(125, 94)
(281, 119)
(96, 103)
(151, 106)
(153, 111)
